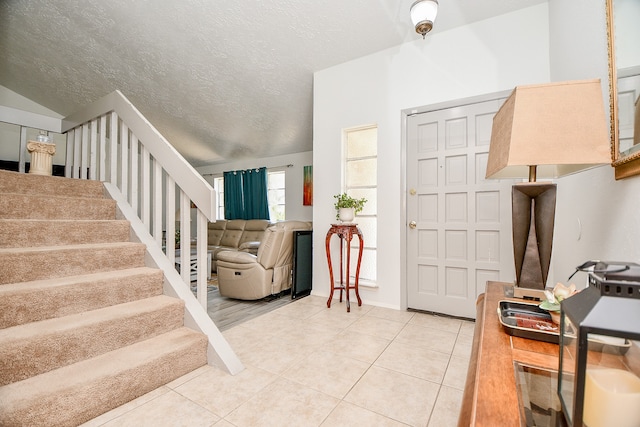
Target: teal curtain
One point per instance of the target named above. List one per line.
(233, 203)
(254, 186)
(245, 194)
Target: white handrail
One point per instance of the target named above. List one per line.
(111, 139)
(185, 176)
(29, 119)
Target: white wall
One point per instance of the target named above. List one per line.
(596, 216)
(485, 57)
(626, 15)
(10, 134)
(11, 99)
(294, 208)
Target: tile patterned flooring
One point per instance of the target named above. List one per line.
(306, 365)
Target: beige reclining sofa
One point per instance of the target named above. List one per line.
(246, 276)
(234, 235)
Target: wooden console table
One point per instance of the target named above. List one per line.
(346, 233)
(490, 396)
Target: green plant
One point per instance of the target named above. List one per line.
(345, 201)
(554, 297)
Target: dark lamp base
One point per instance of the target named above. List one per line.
(533, 210)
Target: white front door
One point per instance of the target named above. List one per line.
(458, 223)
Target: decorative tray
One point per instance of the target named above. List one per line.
(527, 320)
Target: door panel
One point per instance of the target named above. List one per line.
(462, 236)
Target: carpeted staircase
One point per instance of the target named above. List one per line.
(84, 325)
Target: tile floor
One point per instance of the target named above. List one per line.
(306, 365)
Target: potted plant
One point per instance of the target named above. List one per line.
(347, 207)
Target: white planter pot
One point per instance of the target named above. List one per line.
(346, 214)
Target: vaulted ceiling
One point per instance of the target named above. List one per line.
(221, 80)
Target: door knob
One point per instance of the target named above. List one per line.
(412, 224)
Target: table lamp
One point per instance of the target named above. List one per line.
(544, 131)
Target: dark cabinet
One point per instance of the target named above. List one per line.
(302, 263)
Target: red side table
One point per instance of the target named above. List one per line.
(345, 232)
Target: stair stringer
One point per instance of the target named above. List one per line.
(219, 352)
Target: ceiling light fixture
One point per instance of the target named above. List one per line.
(423, 15)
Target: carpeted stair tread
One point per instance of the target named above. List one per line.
(44, 299)
(77, 393)
(38, 232)
(15, 182)
(27, 264)
(37, 347)
(84, 324)
(24, 206)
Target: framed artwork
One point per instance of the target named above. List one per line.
(307, 189)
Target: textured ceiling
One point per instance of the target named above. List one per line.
(220, 79)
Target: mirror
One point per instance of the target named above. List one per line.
(623, 33)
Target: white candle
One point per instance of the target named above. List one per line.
(611, 398)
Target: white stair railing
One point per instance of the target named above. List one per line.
(111, 141)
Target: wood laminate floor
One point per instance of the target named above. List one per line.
(228, 312)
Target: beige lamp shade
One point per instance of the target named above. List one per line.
(559, 127)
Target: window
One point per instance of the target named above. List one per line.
(218, 185)
(361, 180)
(276, 189)
(276, 195)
